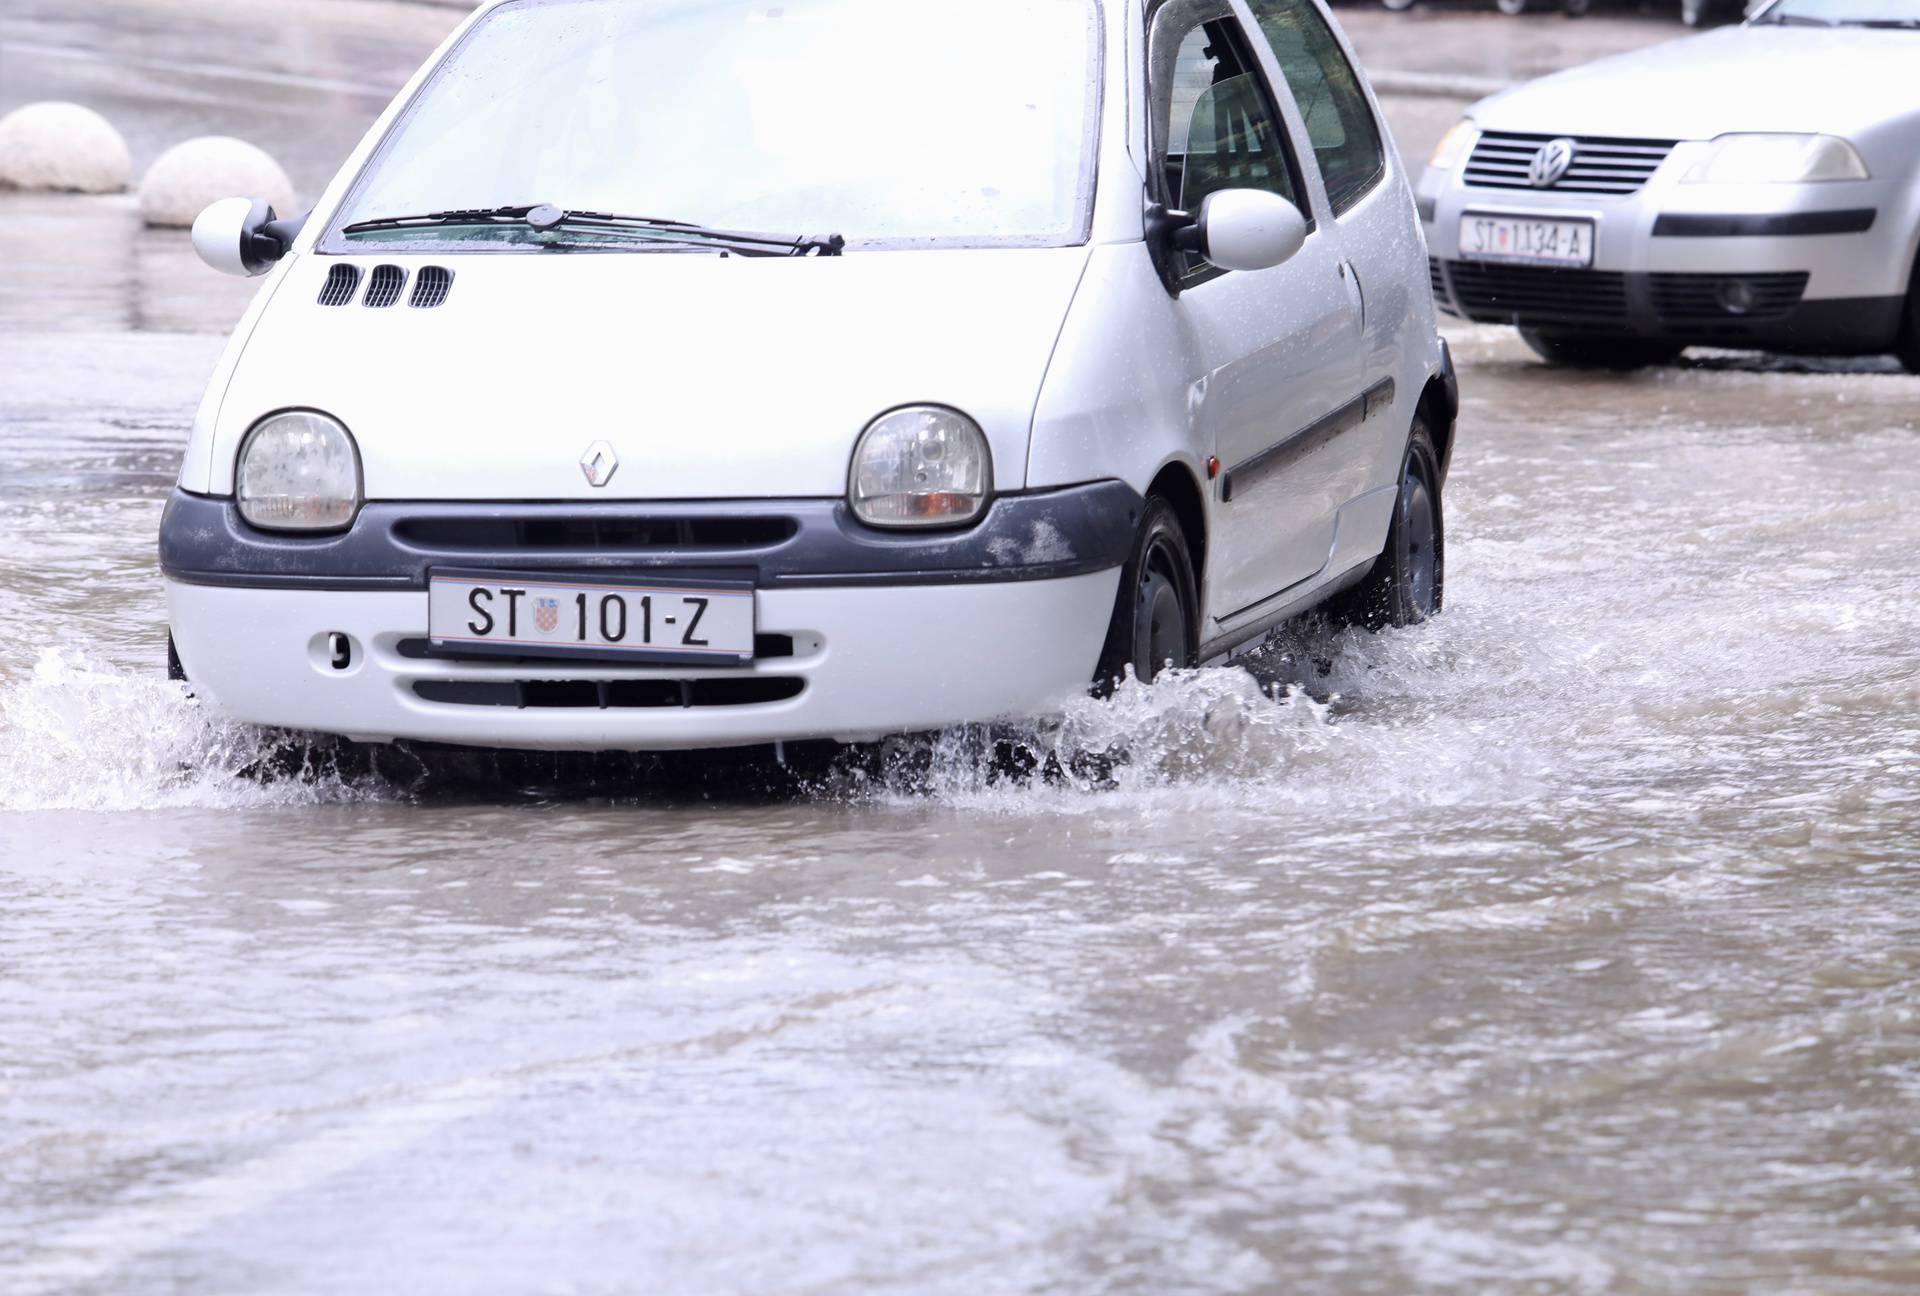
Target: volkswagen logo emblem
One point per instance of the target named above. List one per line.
(1550, 164)
(599, 463)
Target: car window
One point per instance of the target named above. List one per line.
(1217, 125)
(1345, 137)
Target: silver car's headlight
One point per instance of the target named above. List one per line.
(298, 471)
(1451, 151)
(923, 466)
(1778, 159)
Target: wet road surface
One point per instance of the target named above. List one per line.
(1567, 944)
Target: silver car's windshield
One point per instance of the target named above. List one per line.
(1903, 14)
(888, 121)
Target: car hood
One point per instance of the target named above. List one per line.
(1734, 79)
(711, 377)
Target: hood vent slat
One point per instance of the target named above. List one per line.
(431, 286)
(384, 285)
(341, 282)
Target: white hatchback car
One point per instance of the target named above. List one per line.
(663, 375)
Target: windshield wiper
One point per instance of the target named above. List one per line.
(1888, 24)
(1792, 20)
(543, 217)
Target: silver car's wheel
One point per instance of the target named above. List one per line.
(1408, 583)
(1398, 6)
(1692, 12)
(1908, 346)
(1511, 8)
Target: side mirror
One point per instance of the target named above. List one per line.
(242, 236)
(1242, 229)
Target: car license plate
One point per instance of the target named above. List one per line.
(606, 619)
(1526, 240)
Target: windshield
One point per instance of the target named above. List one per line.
(1843, 13)
(887, 121)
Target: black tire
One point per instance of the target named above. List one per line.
(1907, 347)
(1576, 8)
(1585, 351)
(1156, 615)
(1408, 583)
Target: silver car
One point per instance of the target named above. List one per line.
(1755, 187)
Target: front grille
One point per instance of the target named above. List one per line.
(384, 285)
(611, 695)
(339, 287)
(1600, 166)
(430, 287)
(1500, 293)
(631, 535)
(1723, 299)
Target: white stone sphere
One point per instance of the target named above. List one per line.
(62, 146)
(188, 177)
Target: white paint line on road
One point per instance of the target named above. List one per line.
(289, 80)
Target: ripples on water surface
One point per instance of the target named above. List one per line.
(1567, 944)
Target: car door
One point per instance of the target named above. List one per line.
(1374, 221)
(1277, 348)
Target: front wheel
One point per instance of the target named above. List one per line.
(1408, 583)
(1156, 617)
(1908, 346)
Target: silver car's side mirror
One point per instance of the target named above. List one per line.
(242, 236)
(1246, 229)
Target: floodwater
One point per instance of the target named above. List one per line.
(1568, 944)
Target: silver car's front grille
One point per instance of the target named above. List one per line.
(1599, 166)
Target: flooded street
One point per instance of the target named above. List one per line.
(1567, 944)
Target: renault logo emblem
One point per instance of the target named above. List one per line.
(1550, 165)
(599, 463)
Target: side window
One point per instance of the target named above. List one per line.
(1346, 139)
(1215, 127)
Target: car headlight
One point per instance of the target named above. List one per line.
(1453, 146)
(1778, 159)
(922, 466)
(298, 471)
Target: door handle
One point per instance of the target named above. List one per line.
(1351, 277)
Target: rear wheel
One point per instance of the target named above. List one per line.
(1156, 617)
(1409, 581)
(1586, 351)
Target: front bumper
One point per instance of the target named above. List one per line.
(1818, 267)
(860, 633)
